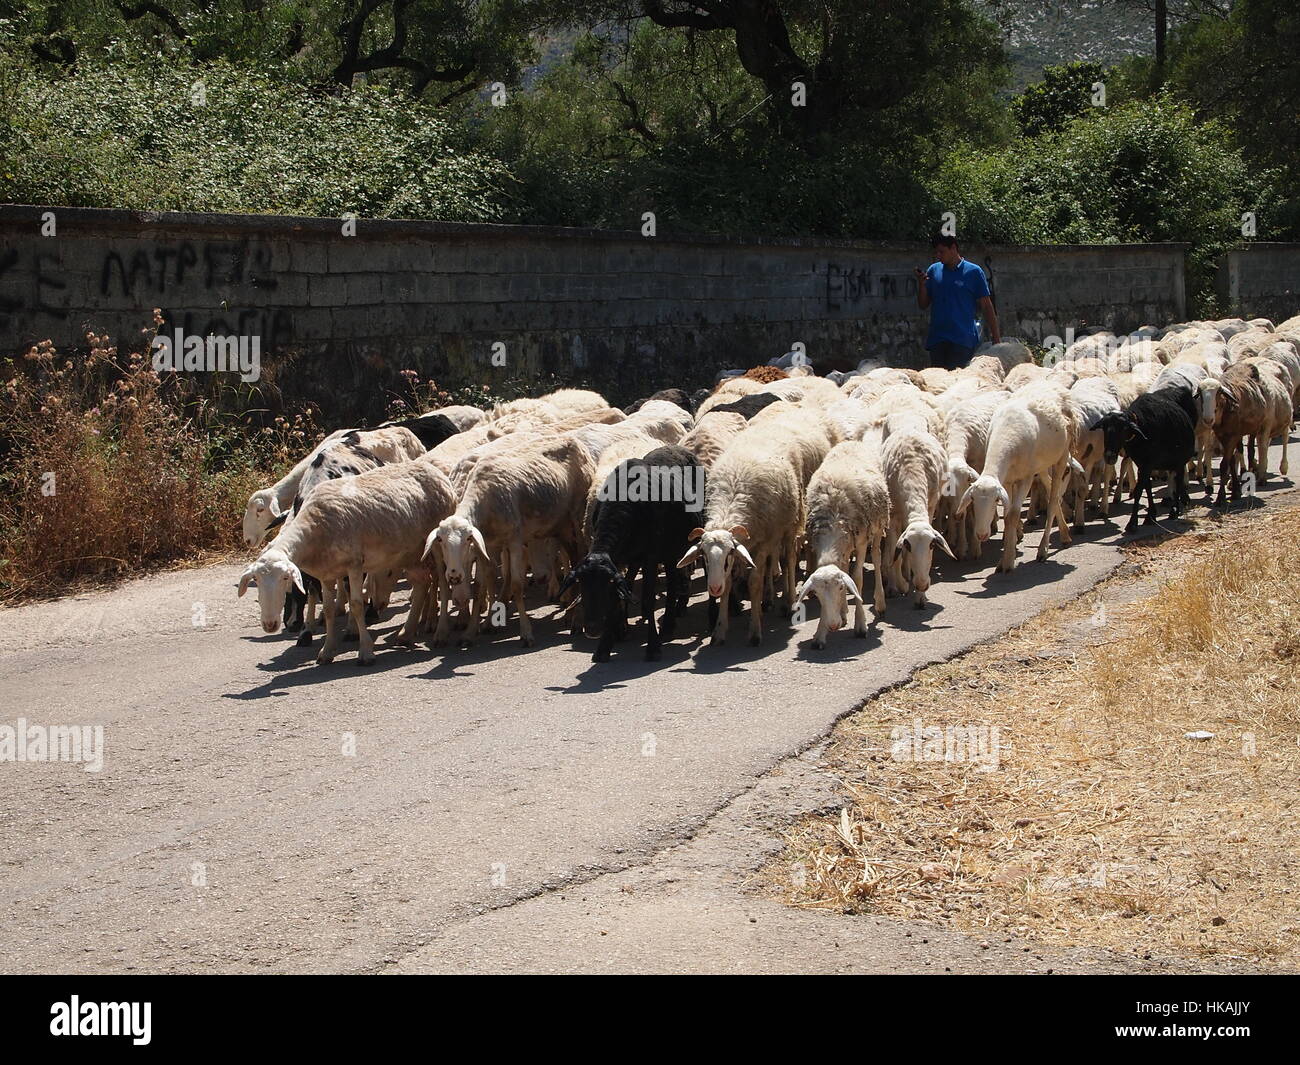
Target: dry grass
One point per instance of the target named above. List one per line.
(110, 469)
(1102, 824)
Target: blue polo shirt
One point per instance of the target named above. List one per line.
(953, 295)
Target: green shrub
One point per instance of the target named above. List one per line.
(213, 138)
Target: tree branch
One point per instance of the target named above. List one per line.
(149, 7)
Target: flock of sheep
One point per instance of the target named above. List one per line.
(771, 471)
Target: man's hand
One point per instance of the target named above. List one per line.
(922, 289)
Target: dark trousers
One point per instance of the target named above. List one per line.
(950, 356)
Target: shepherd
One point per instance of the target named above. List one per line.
(956, 291)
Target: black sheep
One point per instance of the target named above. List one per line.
(749, 405)
(1159, 434)
(669, 395)
(431, 429)
(637, 533)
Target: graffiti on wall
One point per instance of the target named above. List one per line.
(188, 272)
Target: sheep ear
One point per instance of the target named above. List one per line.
(245, 579)
(297, 579)
(740, 550)
(695, 534)
(482, 547)
(570, 579)
(1006, 499)
(274, 507)
(801, 593)
(690, 556)
(740, 533)
(964, 505)
(850, 588)
(1137, 430)
(943, 546)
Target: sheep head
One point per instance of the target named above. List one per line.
(262, 509)
(272, 574)
(982, 499)
(834, 590)
(1120, 430)
(719, 549)
(605, 592)
(460, 544)
(916, 549)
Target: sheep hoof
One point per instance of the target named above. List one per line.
(600, 656)
(819, 644)
(367, 661)
(653, 654)
(324, 659)
(372, 615)
(304, 638)
(527, 641)
(861, 633)
(755, 640)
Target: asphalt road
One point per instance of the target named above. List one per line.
(228, 830)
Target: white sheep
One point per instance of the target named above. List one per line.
(914, 464)
(754, 513)
(966, 441)
(1031, 434)
(1018, 377)
(533, 492)
(1093, 398)
(392, 444)
(712, 435)
(376, 521)
(848, 518)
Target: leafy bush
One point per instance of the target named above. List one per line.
(1142, 172)
(214, 138)
(1064, 93)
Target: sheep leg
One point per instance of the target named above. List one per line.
(1053, 509)
(443, 629)
(419, 596)
(1181, 499)
(879, 603)
(860, 611)
(718, 610)
(791, 574)
(357, 604)
(674, 579)
(1286, 447)
(331, 645)
(1225, 476)
(1144, 481)
(756, 578)
(516, 592)
(653, 646)
(1011, 528)
(481, 600)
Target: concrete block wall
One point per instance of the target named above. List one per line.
(1261, 281)
(624, 313)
